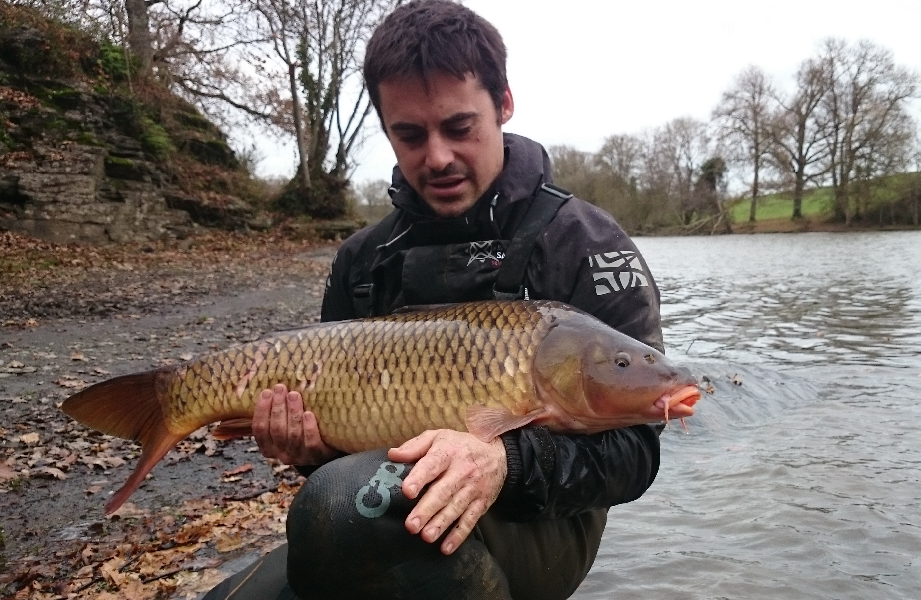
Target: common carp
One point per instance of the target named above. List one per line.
(482, 367)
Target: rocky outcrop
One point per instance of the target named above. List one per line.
(85, 158)
(84, 194)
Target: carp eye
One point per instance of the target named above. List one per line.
(650, 359)
(622, 359)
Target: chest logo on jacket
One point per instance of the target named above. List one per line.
(491, 250)
(617, 271)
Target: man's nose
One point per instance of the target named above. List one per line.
(438, 154)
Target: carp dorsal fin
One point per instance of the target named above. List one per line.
(233, 428)
(414, 308)
(489, 423)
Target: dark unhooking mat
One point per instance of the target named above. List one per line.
(346, 539)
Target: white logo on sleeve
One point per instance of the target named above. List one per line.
(617, 271)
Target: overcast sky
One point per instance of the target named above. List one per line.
(582, 70)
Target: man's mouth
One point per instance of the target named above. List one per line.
(446, 186)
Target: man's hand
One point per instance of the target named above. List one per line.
(284, 430)
(464, 476)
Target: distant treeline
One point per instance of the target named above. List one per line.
(844, 123)
(292, 67)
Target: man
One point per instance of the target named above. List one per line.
(520, 516)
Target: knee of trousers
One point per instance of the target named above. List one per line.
(346, 524)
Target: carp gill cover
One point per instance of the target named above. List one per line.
(482, 367)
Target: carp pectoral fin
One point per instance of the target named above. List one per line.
(233, 428)
(489, 423)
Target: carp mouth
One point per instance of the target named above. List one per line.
(679, 403)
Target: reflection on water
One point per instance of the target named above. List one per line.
(792, 299)
(801, 477)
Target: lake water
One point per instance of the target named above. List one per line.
(801, 474)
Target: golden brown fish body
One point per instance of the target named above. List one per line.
(484, 367)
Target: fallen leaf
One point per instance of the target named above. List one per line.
(239, 470)
(129, 510)
(228, 542)
(71, 383)
(93, 489)
(7, 473)
(49, 472)
(110, 570)
(77, 355)
(29, 439)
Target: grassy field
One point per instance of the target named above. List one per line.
(816, 204)
(880, 201)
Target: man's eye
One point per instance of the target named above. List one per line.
(459, 132)
(412, 139)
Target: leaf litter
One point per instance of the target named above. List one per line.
(75, 315)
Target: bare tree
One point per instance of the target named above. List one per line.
(318, 45)
(676, 154)
(743, 118)
(623, 155)
(914, 188)
(798, 132)
(373, 192)
(139, 38)
(284, 23)
(864, 102)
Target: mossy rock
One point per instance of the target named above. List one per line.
(67, 98)
(155, 139)
(30, 43)
(87, 138)
(195, 121)
(210, 152)
(125, 168)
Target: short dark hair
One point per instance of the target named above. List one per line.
(425, 37)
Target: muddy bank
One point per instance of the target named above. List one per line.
(60, 333)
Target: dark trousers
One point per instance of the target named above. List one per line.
(346, 539)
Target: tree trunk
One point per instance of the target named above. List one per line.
(754, 206)
(798, 187)
(916, 197)
(299, 131)
(139, 38)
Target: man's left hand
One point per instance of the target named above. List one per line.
(464, 475)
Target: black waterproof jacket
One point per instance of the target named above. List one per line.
(582, 258)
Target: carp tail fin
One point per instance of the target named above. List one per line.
(127, 407)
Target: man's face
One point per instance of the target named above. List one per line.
(446, 136)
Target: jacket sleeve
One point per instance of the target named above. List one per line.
(557, 475)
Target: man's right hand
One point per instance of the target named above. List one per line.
(285, 431)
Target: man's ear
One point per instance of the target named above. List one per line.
(508, 106)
